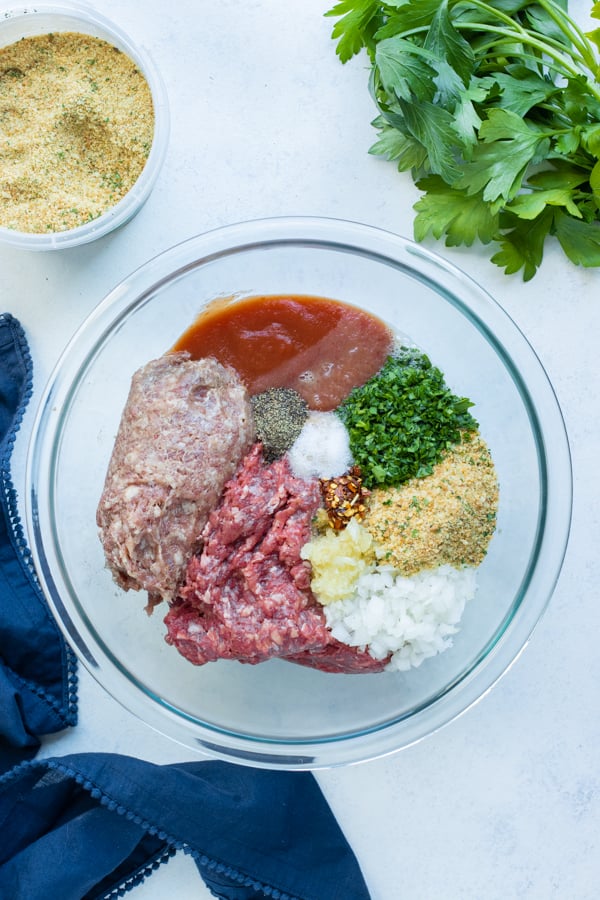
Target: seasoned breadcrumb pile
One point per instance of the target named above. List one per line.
(76, 127)
(446, 517)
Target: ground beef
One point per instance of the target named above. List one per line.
(184, 429)
(340, 658)
(247, 595)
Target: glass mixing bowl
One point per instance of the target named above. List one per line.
(278, 714)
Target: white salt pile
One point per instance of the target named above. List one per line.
(322, 449)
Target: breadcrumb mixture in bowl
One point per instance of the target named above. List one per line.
(83, 126)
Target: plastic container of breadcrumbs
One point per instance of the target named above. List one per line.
(81, 124)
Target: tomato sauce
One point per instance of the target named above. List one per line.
(321, 348)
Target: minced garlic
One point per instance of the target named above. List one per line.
(338, 559)
(76, 127)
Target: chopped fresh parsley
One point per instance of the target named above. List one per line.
(494, 108)
(402, 420)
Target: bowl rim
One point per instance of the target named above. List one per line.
(128, 206)
(553, 455)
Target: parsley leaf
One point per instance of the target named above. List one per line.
(355, 30)
(522, 243)
(579, 240)
(404, 69)
(447, 43)
(433, 127)
(466, 117)
(521, 89)
(529, 206)
(508, 145)
(392, 144)
(461, 217)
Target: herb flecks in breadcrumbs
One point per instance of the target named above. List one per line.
(76, 127)
(446, 517)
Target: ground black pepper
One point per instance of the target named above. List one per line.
(279, 414)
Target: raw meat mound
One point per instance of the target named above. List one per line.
(184, 429)
(247, 595)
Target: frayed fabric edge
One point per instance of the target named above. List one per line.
(66, 712)
(173, 844)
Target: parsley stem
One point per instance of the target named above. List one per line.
(546, 47)
(573, 32)
(549, 45)
(549, 64)
(494, 13)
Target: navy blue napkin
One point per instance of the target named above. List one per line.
(94, 825)
(37, 668)
(253, 833)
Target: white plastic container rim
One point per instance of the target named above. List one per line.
(34, 19)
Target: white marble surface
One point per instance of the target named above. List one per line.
(504, 802)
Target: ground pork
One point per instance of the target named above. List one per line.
(184, 429)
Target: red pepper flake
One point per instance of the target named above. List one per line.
(344, 497)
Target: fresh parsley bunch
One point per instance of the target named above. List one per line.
(494, 107)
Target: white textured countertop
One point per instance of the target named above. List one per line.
(503, 803)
